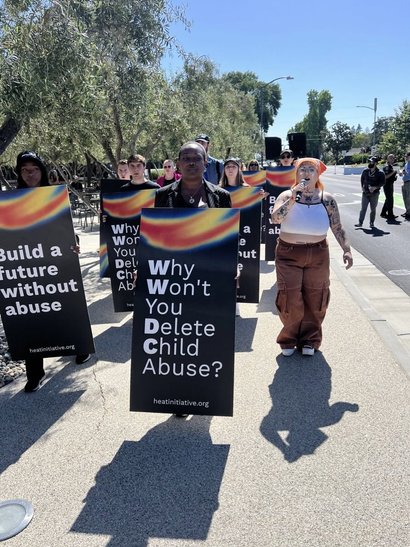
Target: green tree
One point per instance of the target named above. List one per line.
(208, 103)
(314, 123)
(401, 128)
(395, 138)
(89, 67)
(338, 138)
(267, 96)
(42, 58)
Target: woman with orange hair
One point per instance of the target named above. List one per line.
(305, 213)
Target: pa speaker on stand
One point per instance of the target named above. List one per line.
(297, 143)
(273, 147)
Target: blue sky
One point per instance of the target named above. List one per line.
(357, 50)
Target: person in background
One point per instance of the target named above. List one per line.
(232, 174)
(53, 178)
(122, 170)
(214, 167)
(192, 190)
(305, 213)
(405, 189)
(372, 180)
(170, 175)
(390, 175)
(77, 184)
(286, 158)
(253, 165)
(32, 173)
(136, 165)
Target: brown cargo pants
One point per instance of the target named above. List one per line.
(303, 292)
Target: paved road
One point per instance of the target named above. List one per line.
(316, 455)
(388, 245)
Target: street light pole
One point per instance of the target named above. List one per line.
(374, 108)
(261, 105)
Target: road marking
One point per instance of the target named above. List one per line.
(349, 203)
(399, 272)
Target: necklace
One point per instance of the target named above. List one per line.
(192, 197)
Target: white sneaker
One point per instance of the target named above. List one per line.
(308, 350)
(287, 352)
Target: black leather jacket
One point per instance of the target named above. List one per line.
(375, 179)
(216, 196)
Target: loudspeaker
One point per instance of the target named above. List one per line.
(297, 143)
(273, 147)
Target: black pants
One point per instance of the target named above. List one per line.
(34, 368)
(389, 202)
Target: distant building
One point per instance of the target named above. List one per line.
(353, 152)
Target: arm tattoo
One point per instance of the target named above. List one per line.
(335, 223)
(283, 210)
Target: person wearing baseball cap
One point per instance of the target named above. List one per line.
(214, 168)
(372, 180)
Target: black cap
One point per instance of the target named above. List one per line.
(373, 159)
(202, 137)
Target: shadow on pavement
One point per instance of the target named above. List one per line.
(114, 344)
(266, 268)
(300, 393)
(267, 301)
(28, 416)
(375, 232)
(164, 486)
(102, 312)
(244, 333)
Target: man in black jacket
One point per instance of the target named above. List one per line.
(192, 190)
(391, 175)
(372, 180)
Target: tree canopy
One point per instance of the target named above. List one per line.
(314, 123)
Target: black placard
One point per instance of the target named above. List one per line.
(43, 307)
(184, 318)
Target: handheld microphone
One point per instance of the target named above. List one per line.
(304, 182)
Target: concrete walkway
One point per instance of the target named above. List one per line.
(317, 453)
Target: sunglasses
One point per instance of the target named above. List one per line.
(167, 166)
(253, 165)
(285, 156)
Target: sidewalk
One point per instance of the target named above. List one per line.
(316, 453)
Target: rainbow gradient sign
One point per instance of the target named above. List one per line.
(249, 201)
(184, 312)
(120, 229)
(42, 302)
(278, 179)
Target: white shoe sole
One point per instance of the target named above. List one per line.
(308, 351)
(287, 352)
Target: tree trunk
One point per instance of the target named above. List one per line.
(108, 151)
(8, 132)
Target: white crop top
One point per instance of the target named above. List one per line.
(310, 219)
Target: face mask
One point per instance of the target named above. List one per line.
(370, 165)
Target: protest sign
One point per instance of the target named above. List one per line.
(184, 315)
(257, 178)
(278, 179)
(107, 186)
(248, 200)
(42, 300)
(120, 229)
